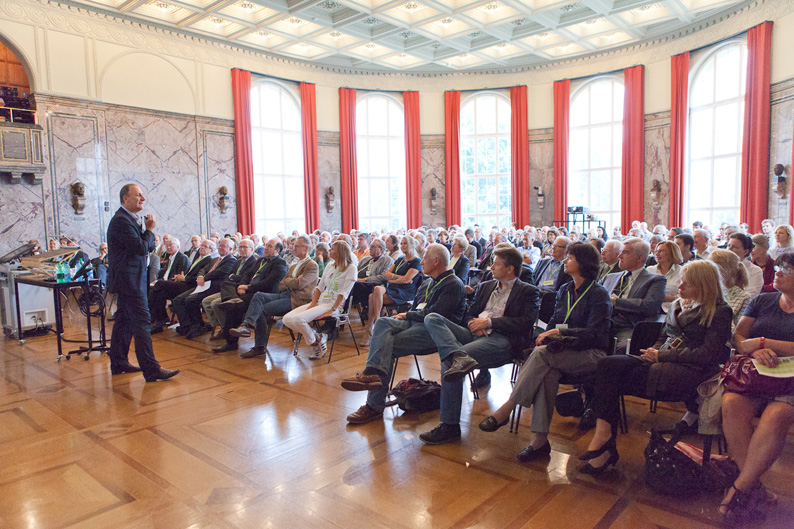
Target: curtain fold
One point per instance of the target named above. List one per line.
(347, 148)
(311, 171)
(633, 161)
(452, 152)
(678, 118)
(519, 155)
(755, 138)
(562, 101)
(243, 154)
(413, 160)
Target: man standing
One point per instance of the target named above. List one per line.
(129, 244)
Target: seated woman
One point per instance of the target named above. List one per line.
(321, 256)
(760, 257)
(576, 339)
(403, 279)
(329, 296)
(784, 241)
(734, 280)
(458, 261)
(765, 333)
(689, 351)
(668, 264)
(552, 234)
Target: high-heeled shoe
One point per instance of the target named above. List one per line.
(597, 471)
(741, 507)
(592, 454)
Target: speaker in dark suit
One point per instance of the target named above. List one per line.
(129, 245)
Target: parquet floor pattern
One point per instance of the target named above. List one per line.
(232, 443)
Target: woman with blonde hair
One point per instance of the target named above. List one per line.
(403, 277)
(689, 351)
(329, 296)
(734, 280)
(784, 241)
(668, 264)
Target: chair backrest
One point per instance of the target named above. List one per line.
(547, 303)
(644, 335)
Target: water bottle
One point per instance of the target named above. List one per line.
(59, 272)
(67, 273)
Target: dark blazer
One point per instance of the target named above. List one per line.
(128, 249)
(681, 369)
(447, 297)
(603, 273)
(477, 247)
(485, 260)
(202, 265)
(243, 275)
(181, 264)
(223, 269)
(190, 251)
(461, 268)
(643, 301)
(589, 318)
(266, 278)
(521, 311)
(541, 267)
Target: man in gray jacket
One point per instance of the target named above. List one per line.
(371, 270)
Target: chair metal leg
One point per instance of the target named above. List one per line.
(515, 418)
(624, 421)
(416, 360)
(473, 385)
(354, 338)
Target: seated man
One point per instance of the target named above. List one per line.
(742, 246)
(295, 289)
(271, 271)
(636, 294)
(609, 258)
(469, 233)
(371, 272)
(172, 285)
(701, 238)
(175, 262)
(406, 334)
(549, 275)
(195, 244)
(362, 250)
(498, 328)
(187, 305)
(687, 244)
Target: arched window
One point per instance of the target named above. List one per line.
(595, 148)
(380, 149)
(716, 117)
(278, 159)
(485, 161)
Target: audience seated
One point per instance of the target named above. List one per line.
(549, 275)
(609, 259)
(689, 351)
(765, 333)
(636, 294)
(362, 249)
(742, 245)
(192, 252)
(406, 334)
(783, 241)
(469, 234)
(577, 337)
(686, 243)
(762, 259)
(734, 281)
(458, 261)
(668, 259)
(372, 273)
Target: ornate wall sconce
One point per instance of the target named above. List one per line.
(223, 199)
(541, 197)
(433, 201)
(780, 187)
(656, 191)
(77, 190)
(330, 199)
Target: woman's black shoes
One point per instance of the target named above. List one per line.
(489, 424)
(531, 454)
(597, 471)
(592, 454)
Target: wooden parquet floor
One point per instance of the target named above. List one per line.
(232, 443)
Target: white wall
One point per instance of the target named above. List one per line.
(76, 54)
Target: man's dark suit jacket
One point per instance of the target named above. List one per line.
(222, 270)
(541, 267)
(181, 264)
(128, 248)
(267, 278)
(199, 270)
(485, 260)
(477, 246)
(521, 311)
(243, 275)
(461, 268)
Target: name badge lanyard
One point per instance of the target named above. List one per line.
(435, 286)
(623, 287)
(570, 308)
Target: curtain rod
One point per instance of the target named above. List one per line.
(277, 77)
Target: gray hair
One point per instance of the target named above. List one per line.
(615, 242)
(214, 246)
(438, 251)
(462, 242)
(640, 247)
(761, 240)
(306, 239)
(175, 241)
(377, 242)
(230, 242)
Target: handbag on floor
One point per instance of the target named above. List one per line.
(417, 395)
(710, 405)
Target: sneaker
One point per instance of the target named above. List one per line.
(324, 342)
(462, 365)
(443, 433)
(364, 414)
(317, 352)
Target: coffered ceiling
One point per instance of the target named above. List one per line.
(426, 35)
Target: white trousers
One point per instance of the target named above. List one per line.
(299, 319)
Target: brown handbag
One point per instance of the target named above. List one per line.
(740, 376)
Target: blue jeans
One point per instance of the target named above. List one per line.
(262, 308)
(394, 339)
(489, 351)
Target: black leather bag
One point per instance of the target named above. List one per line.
(670, 471)
(415, 395)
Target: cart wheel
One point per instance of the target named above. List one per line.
(59, 359)
(68, 357)
(22, 342)
(86, 357)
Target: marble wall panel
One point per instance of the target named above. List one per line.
(157, 151)
(23, 215)
(541, 174)
(75, 156)
(657, 167)
(434, 213)
(216, 158)
(780, 149)
(330, 176)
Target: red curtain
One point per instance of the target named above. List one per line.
(452, 151)
(244, 159)
(755, 140)
(633, 162)
(519, 155)
(347, 147)
(562, 101)
(413, 159)
(311, 171)
(678, 114)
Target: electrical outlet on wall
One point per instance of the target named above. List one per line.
(32, 317)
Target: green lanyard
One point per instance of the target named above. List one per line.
(623, 287)
(435, 286)
(397, 267)
(570, 308)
